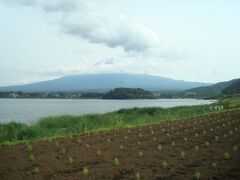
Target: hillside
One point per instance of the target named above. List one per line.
(104, 83)
(128, 93)
(206, 91)
(234, 88)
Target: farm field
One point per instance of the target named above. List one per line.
(205, 147)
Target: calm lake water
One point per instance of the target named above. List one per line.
(30, 110)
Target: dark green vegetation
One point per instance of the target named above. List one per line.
(51, 127)
(212, 91)
(234, 88)
(230, 103)
(128, 93)
(221, 90)
(90, 95)
(118, 93)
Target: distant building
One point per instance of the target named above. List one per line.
(191, 93)
(13, 95)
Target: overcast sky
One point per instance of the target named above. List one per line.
(188, 40)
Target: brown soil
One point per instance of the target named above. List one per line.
(54, 164)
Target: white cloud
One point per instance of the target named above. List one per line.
(118, 31)
(85, 20)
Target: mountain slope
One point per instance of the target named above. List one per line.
(206, 91)
(234, 88)
(105, 82)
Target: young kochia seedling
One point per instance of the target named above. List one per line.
(197, 175)
(87, 146)
(207, 144)
(108, 140)
(116, 161)
(159, 147)
(182, 155)
(99, 153)
(63, 151)
(121, 147)
(79, 141)
(226, 155)
(31, 157)
(225, 135)
(140, 154)
(213, 165)
(29, 147)
(235, 148)
(137, 176)
(85, 171)
(164, 165)
(196, 148)
(70, 160)
(35, 170)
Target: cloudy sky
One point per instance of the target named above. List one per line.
(187, 39)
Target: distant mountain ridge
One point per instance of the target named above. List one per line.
(105, 82)
(207, 91)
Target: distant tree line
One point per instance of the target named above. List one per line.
(51, 95)
(118, 93)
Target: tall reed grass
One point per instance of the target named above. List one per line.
(67, 125)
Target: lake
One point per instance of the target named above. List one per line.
(30, 110)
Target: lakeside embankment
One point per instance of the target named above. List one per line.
(28, 111)
(51, 127)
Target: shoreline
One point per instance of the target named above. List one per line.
(67, 125)
(30, 110)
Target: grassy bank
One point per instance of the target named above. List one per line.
(51, 127)
(230, 102)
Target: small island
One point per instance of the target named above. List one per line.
(128, 93)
